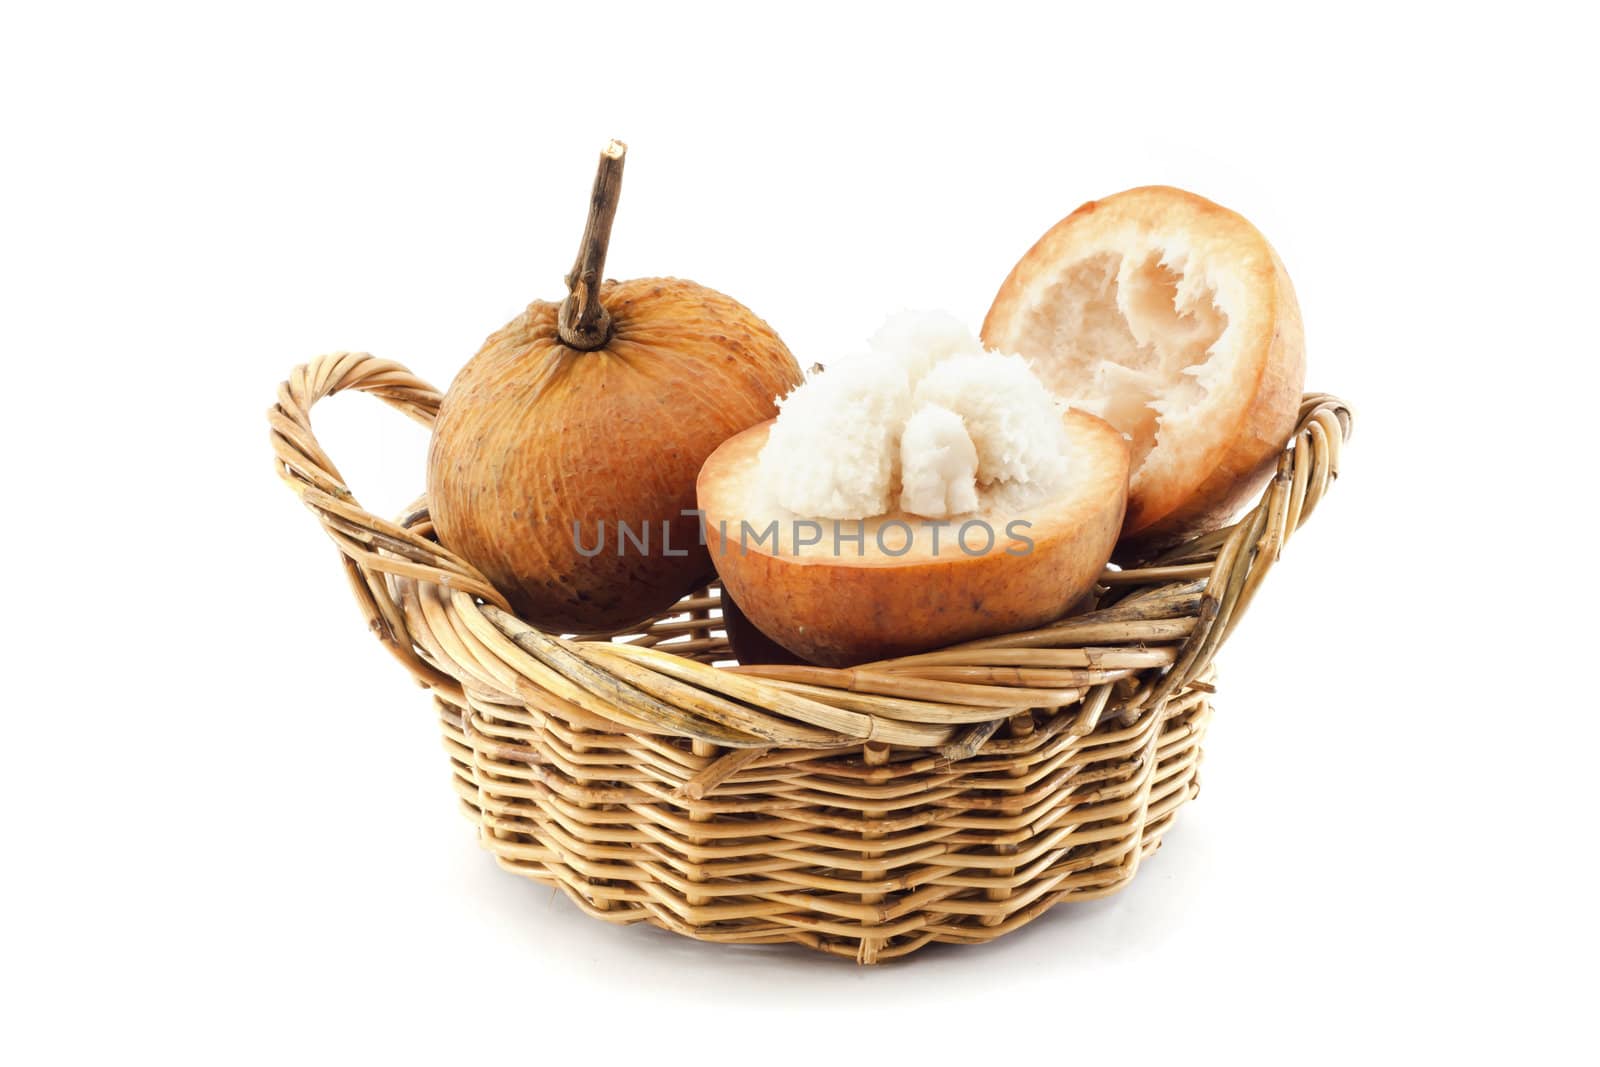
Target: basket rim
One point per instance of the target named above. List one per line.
(1165, 620)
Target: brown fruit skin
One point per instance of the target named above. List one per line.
(1240, 470)
(836, 612)
(750, 646)
(534, 435)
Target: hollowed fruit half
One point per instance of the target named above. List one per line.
(1174, 320)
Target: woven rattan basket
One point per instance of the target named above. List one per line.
(946, 797)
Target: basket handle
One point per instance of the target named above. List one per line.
(372, 547)
(1235, 560)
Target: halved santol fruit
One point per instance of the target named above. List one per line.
(1173, 319)
(564, 458)
(843, 591)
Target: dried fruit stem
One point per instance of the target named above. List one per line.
(583, 322)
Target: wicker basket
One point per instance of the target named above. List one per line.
(947, 797)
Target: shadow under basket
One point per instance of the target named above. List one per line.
(946, 797)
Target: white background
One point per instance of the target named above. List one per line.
(228, 830)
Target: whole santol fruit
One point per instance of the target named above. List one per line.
(1174, 320)
(565, 453)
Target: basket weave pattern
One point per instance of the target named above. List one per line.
(946, 797)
